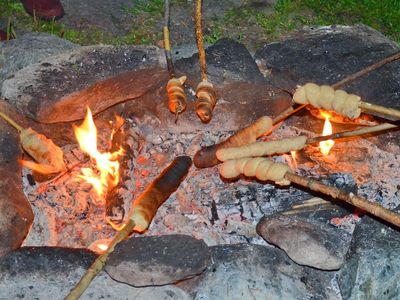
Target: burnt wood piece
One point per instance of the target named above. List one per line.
(127, 138)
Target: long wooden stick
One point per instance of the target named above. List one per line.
(143, 210)
(10, 121)
(366, 70)
(167, 46)
(257, 149)
(99, 263)
(199, 40)
(387, 111)
(370, 207)
(351, 133)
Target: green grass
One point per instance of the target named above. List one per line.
(240, 24)
(383, 15)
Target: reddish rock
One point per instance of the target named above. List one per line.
(44, 9)
(16, 214)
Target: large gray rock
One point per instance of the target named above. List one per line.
(244, 271)
(227, 60)
(16, 214)
(372, 267)
(325, 55)
(159, 260)
(60, 88)
(314, 244)
(50, 273)
(29, 48)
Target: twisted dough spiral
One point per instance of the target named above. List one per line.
(259, 167)
(206, 100)
(176, 95)
(326, 97)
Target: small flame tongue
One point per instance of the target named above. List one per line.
(107, 164)
(325, 146)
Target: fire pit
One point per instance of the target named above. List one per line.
(71, 213)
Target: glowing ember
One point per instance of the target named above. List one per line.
(325, 146)
(107, 165)
(100, 246)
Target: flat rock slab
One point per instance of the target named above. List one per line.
(314, 244)
(59, 89)
(50, 273)
(227, 60)
(239, 104)
(158, 260)
(372, 267)
(16, 214)
(325, 55)
(245, 271)
(29, 48)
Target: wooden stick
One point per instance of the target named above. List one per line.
(257, 149)
(11, 121)
(365, 106)
(199, 40)
(370, 207)
(143, 211)
(167, 46)
(99, 263)
(287, 113)
(366, 70)
(351, 133)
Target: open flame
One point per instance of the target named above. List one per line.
(325, 146)
(107, 165)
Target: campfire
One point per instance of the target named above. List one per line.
(124, 181)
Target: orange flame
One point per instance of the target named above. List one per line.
(107, 164)
(325, 146)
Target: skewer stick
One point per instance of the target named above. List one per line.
(175, 86)
(99, 263)
(370, 207)
(200, 43)
(366, 70)
(11, 121)
(351, 133)
(287, 113)
(365, 106)
(143, 210)
(167, 45)
(265, 169)
(257, 149)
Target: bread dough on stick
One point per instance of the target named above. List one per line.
(328, 98)
(260, 167)
(206, 157)
(263, 148)
(145, 207)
